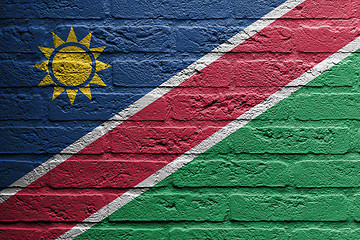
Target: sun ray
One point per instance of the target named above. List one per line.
(97, 51)
(97, 80)
(57, 41)
(43, 66)
(46, 81)
(86, 91)
(86, 41)
(57, 91)
(71, 94)
(46, 51)
(72, 36)
(101, 66)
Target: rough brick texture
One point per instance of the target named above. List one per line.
(291, 173)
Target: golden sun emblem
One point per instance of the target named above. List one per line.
(72, 66)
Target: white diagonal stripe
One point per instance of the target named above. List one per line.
(149, 98)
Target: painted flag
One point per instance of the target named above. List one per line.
(258, 100)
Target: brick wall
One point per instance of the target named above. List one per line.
(292, 173)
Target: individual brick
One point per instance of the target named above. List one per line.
(34, 206)
(123, 39)
(60, 136)
(128, 234)
(276, 39)
(14, 233)
(257, 8)
(34, 230)
(105, 173)
(174, 207)
(16, 73)
(263, 73)
(21, 107)
(325, 140)
(146, 38)
(19, 39)
(211, 107)
(92, 109)
(171, 9)
(320, 208)
(11, 169)
(63, 9)
(200, 39)
(228, 233)
(232, 174)
(326, 174)
(324, 106)
(321, 33)
(157, 114)
(319, 233)
(149, 139)
(146, 73)
(343, 74)
(309, 10)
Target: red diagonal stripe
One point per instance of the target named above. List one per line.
(193, 111)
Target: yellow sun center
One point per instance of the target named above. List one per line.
(72, 66)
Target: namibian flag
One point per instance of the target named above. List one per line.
(223, 119)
